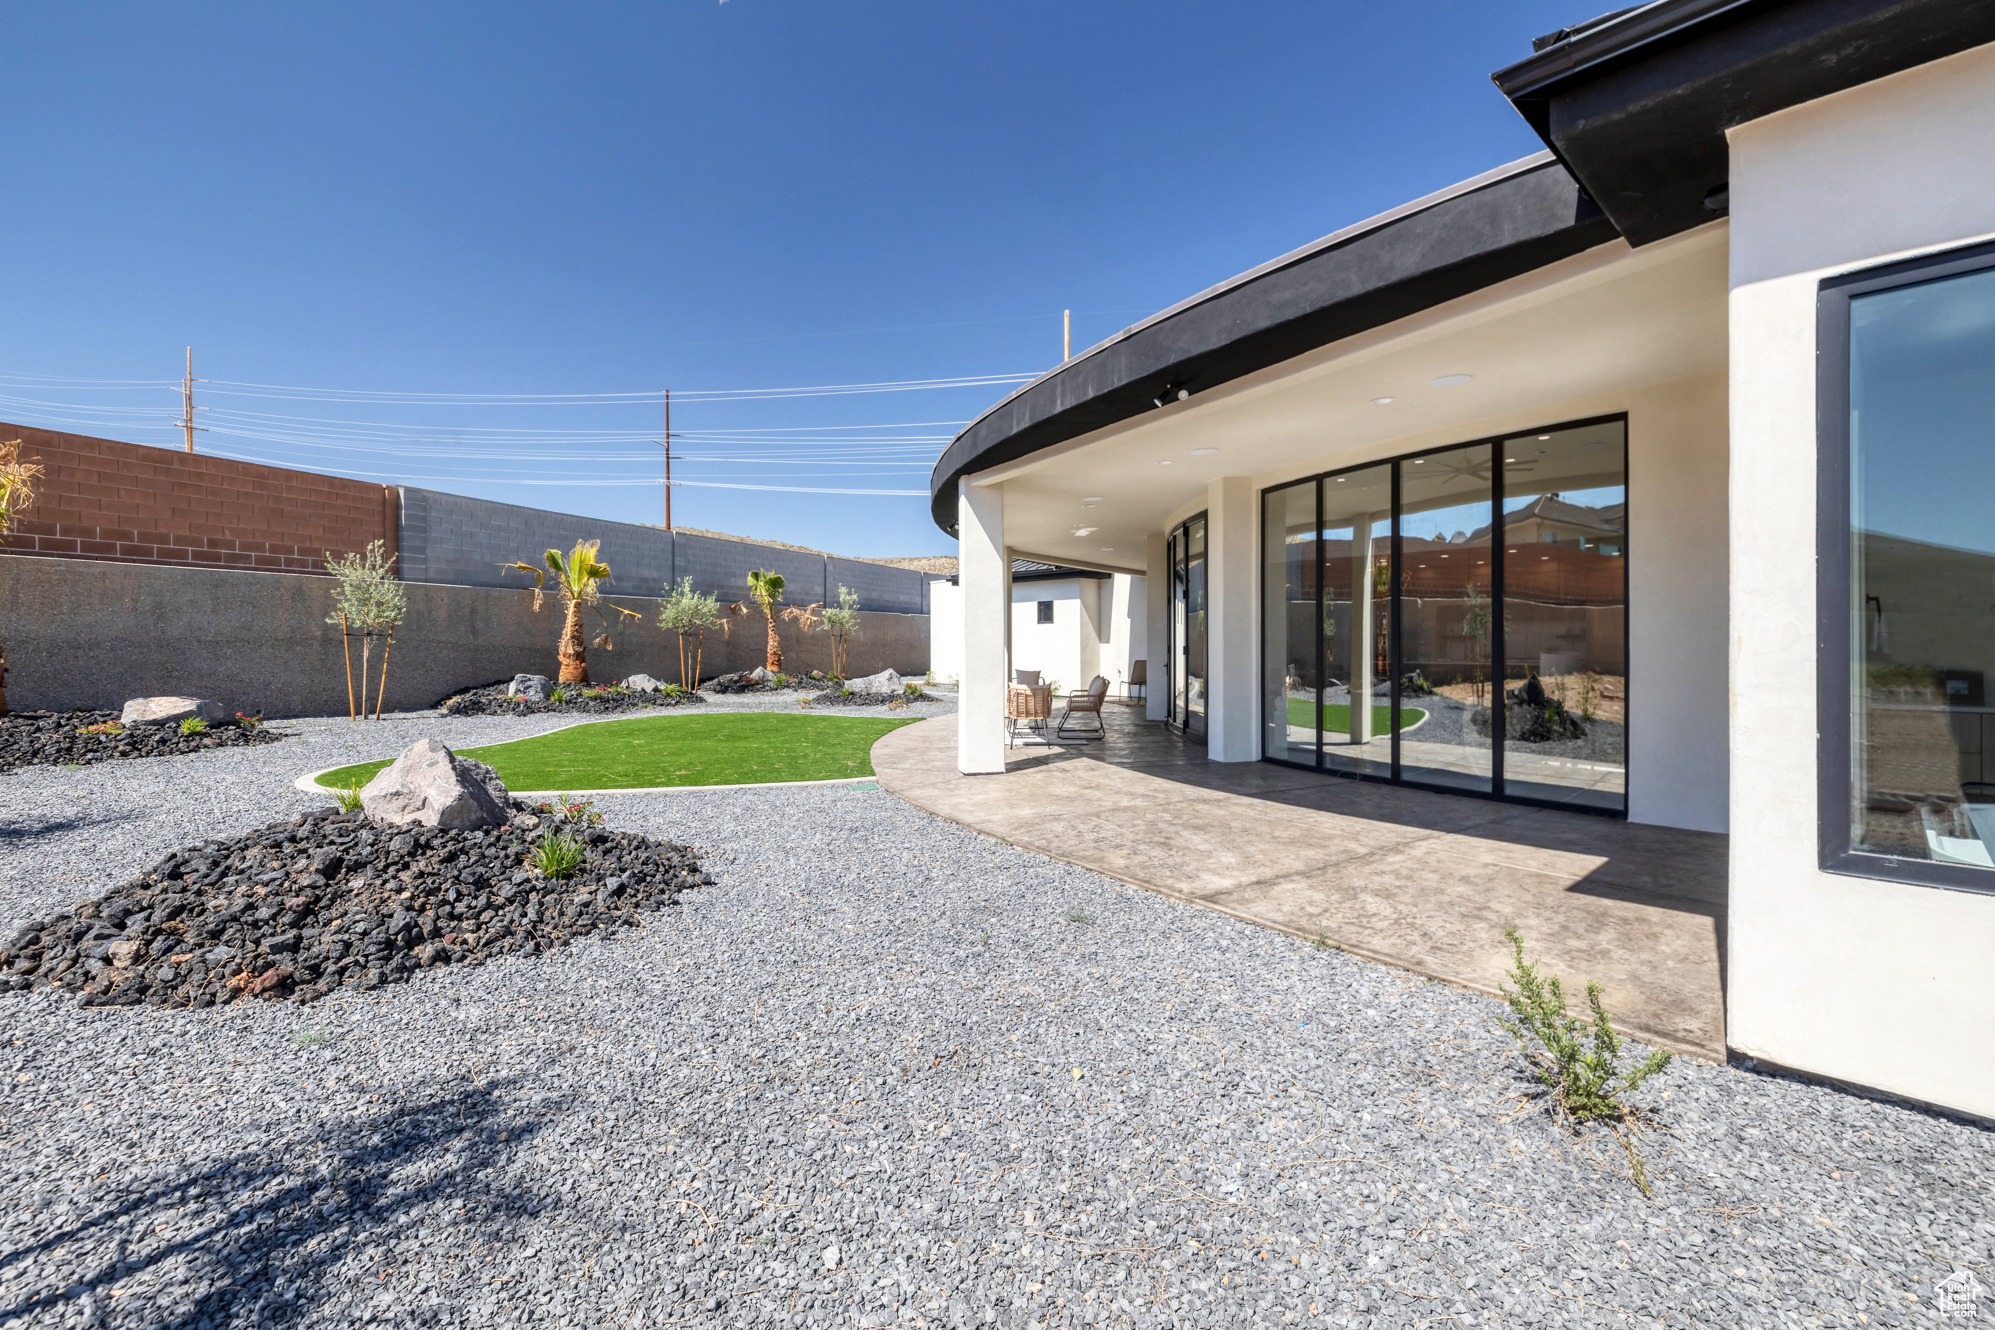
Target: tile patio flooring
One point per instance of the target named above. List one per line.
(1415, 879)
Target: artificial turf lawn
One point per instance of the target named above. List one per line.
(1337, 716)
(739, 749)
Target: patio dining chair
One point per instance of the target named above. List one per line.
(1084, 704)
(1023, 702)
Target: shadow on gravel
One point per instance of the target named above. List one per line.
(17, 832)
(243, 1251)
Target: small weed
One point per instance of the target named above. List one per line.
(558, 856)
(307, 1038)
(193, 725)
(985, 936)
(572, 808)
(558, 695)
(72, 766)
(1322, 942)
(1079, 916)
(1587, 1083)
(348, 799)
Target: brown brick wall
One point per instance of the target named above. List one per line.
(126, 502)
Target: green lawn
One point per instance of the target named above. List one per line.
(1337, 716)
(738, 749)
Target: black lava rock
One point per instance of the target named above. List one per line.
(744, 681)
(491, 700)
(327, 900)
(56, 738)
(1532, 716)
(842, 697)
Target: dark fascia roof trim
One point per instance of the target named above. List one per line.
(1485, 230)
(1637, 104)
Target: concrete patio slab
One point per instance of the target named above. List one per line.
(1412, 878)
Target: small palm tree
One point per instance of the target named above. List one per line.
(578, 576)
(765, 589)
(17, 492)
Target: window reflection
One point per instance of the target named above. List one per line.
(1922, 596)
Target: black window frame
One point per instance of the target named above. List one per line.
(1497, 792)
(1833, 699)
(1178, 557)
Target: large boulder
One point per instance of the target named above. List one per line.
(532, 687)
(172, 710)
(642, 683)
(433, 787)
(886, 681)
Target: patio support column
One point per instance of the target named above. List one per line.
(1233, 727)
(1157, 625)
(984, 570)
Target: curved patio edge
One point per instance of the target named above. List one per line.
(1421, 882)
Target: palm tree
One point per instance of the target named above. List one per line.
(577, 576)
(766, 590)
(17, 492)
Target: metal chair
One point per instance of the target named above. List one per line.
(1139, 677)
(1084, 704)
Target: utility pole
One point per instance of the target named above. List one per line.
(1066, 336)
(668, 459)
(186, 421)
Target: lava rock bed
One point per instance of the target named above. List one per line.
(744, 681)
(298, 909)
(491, 700)
(53, 738)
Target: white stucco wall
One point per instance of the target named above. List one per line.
(1677, 605)
(1125, 615)
(945, 631)
(1067, 651)
(1877, 983)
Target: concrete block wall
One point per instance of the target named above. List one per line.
(84, 633)
(453, 539)
(101, 499)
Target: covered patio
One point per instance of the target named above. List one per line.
(1415, 879)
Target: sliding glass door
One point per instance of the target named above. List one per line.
(1456, 619)
(1188, 626)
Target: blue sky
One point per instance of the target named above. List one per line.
(463, 202)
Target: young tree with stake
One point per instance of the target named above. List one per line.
(367, 599)
(690, 614)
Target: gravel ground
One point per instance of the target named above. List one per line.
(877, 1076)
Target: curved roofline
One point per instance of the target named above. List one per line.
(1471, 235)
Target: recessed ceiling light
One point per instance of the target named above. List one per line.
(1342, 479)
(1450, 380)
(1092, 498)
(1084, 531)
(1419, 461)
(1543, 451)
(1383, 401)
(1165, 462)
(1509, 459)
(1108, 549)
(1087, 505)
(1543, 437)
(1203, 452)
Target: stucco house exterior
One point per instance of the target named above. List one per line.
(1651, 476)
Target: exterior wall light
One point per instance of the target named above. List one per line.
(1171, 392)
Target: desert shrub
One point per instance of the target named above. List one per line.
(193, 725)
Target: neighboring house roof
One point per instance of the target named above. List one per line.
(1634, 104)
(1032, 570)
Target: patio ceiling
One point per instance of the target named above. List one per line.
(1560, 342)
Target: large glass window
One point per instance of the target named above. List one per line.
(1456, 619)
(1910, 574)
(1565, 619)
(1188, 626)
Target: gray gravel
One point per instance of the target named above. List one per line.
(865, 1038)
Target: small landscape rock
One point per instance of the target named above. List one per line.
(886, 681)
(532, 687)
(171, 710)
(642, 683)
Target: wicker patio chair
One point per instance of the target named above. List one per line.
(1024, 703)
(1084, 704)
